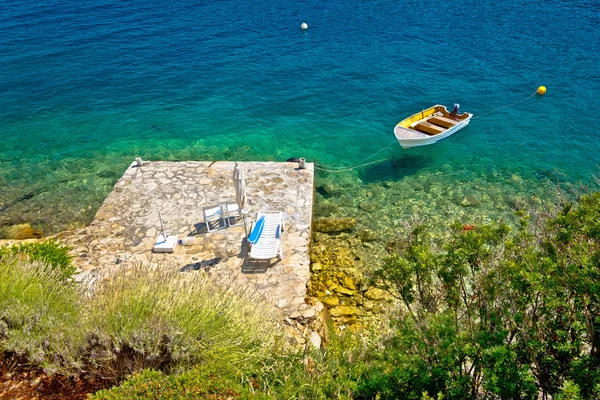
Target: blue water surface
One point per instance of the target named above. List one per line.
(86, 86)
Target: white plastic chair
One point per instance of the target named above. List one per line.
(232, 210)
(266, 244)
(214, 214)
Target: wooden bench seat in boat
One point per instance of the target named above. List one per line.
(442, 121)
(428, 128)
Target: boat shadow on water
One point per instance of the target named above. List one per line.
(395, 168)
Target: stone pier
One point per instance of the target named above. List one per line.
(127, 224)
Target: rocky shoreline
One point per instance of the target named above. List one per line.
(339, 274)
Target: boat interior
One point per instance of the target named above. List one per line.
(433, 121)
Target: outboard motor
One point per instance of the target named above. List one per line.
(455, 109)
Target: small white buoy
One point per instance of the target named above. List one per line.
(304, 25)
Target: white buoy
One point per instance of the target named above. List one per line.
(304, 25)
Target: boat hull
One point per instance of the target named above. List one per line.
(424, 141)
(409, 137)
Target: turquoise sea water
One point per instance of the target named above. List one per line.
(87, 86)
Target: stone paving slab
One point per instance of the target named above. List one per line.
(127, 224)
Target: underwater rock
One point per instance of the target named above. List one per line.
(19, 232)
(469, 201)
(349, 301)
(368, 206)
(333, 224)
(325, 207)
(367, 235)
(342, 290)
(347, 201)
(307, 315)
(319, 237)
(352, 242)
(333, 258)
(329, 189)
(516, 202)
(330, 301)
(344, 311)
(316, 267)
(346, 281)
(516, 178)
(375, 294)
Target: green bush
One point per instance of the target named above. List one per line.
(169, 320)
(39, 313)
(195, 384)
(49, 252)
(511, 315)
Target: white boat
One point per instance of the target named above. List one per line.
(430, 126)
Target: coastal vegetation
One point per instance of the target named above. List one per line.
(50, 253)
(139, 319)
(497, 314)
(487, 311)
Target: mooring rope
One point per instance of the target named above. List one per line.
(503, 107)
(350, 168)
(328, 168)
(333, 169)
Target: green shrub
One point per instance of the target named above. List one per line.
(168, 320)
(38, 312)
(49, 252)
(511, 315)
(195, 384)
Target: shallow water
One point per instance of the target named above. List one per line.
(88, 86)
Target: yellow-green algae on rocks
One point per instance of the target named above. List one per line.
(338, 279)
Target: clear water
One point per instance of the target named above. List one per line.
(87, 86)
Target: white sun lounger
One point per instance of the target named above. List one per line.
(265, 236)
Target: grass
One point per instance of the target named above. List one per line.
(139, 319)
(332, 374)
(37, 311)
(168, 320)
